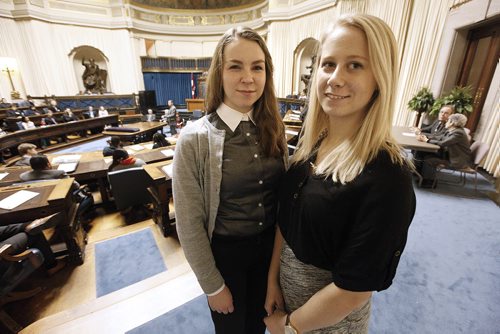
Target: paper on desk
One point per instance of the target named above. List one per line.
(291, 132)
(408, 134)
(16, 199)
(108, 160)
(168, 169)
(137, 147)
(149, 146)
(66, 158)
(2, 175)
(67, 167)
(168, 152)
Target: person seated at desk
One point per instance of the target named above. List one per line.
(14, 112)
(437, 128)
(31, 111)
(49, 119)
(26, 151)
(21, 236)
(42, 170)
(69, 116)
(4, 103)
(53, 106)
(27, 124)
(90, 113)
(454, 149)
(150, 117)
(103, 112)
(159, 140)
(121, 160)
(114, 143)
(179, 124)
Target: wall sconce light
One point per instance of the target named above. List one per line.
(9, 65)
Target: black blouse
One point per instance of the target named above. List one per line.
(357, 230)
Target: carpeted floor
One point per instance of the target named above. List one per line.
(126, 260)
(192, 317)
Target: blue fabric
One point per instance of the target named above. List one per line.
(191, 317)
(126, 260)
(170, 86)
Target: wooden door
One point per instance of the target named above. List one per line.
(478, 67)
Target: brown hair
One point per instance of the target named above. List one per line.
(24, 148)
(271, 131)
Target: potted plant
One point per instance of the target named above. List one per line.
(459, 97)
(422, 102)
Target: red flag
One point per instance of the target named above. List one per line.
(193, 87)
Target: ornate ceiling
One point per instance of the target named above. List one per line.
(197, 4)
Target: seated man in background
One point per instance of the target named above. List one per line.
(53, 106)
(114, 143)
(4, 103)
(24, 235)
(454, 149)
(149, 117)
(31, 111)
(42, 170)
(50, 119)
(90, 113)
(14, 112)
(69, 116)
(437, 128)
(26, 151)
(121, 160)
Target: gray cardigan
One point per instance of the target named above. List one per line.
(197, 175)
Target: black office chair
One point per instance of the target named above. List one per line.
(130, 187)
(14, 268)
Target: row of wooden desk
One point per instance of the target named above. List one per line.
(55, 195)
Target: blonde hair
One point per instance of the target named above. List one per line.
(271, 131)
(346, 161)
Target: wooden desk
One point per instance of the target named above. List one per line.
(195, 104)
(145, 129)
(53, 196)
(161, 191)
(92, 167)
(30, 135)
(292, 118)
(403, 137)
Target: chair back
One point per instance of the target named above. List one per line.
(13, 273)
(479, 151)
(129, 187)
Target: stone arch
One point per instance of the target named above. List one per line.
(88, 52)
(303, 54)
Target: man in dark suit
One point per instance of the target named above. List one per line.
(42, 170)
(437, 128)
(51, 120)
(24, 235)
(54, 107)
(14, 112)
(454, 148)
(90, 113)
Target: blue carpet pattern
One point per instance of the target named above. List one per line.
(191, 317)
(126, 260)
(448, 280)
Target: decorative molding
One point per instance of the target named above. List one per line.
(299, 8)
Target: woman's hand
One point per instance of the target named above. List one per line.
(275, 323)
(222, 302)
(274, 299)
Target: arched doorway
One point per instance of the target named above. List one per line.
(303, 54)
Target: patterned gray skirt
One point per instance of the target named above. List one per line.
(300, 281)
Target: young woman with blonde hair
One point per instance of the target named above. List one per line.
(226, 173)
(347, 200)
